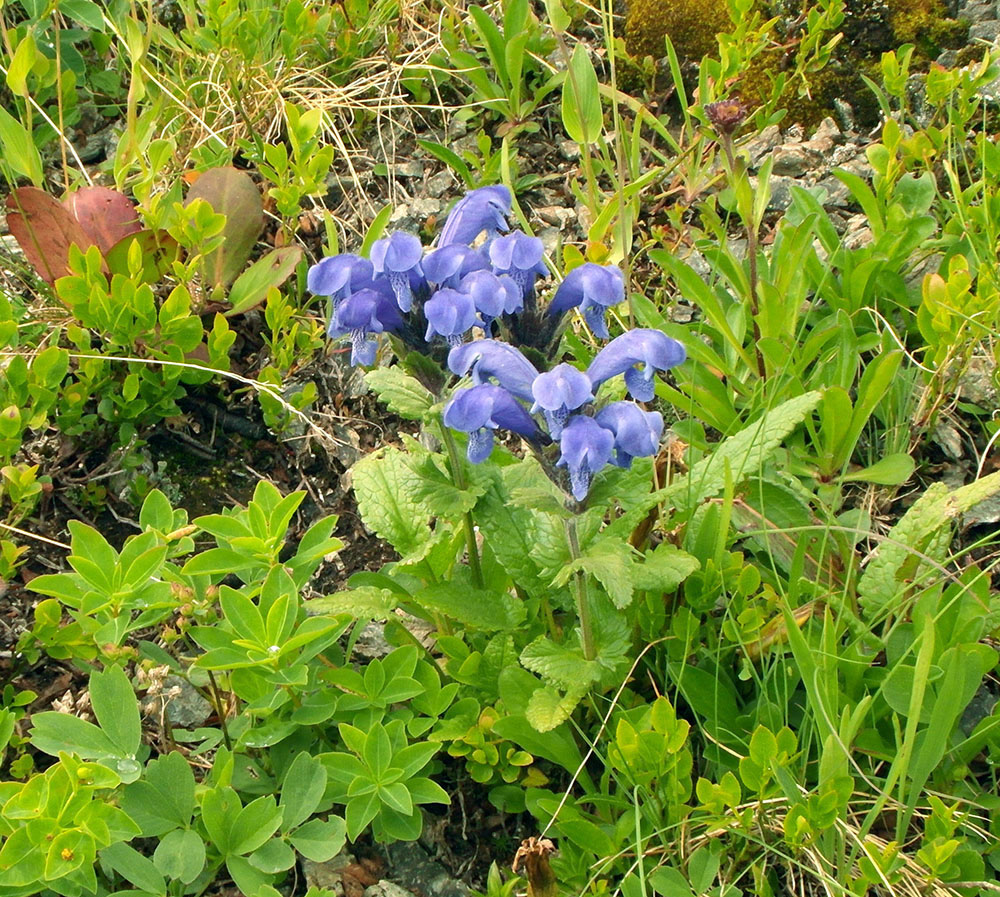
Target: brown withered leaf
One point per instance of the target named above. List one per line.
(45, 230)
(232, 193)
(534, 853)
(105, 215)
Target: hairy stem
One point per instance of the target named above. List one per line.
(471, 546)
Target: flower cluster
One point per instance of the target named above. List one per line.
(482, 275)
(564, 396)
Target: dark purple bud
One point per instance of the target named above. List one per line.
(519, 256)
(586, 448)
(486, 358)
(398, 258)
(485, 209)
(593, 289)
(725, 115)
(450, 314)
(480, 410)
(651, 348)
(637, 432)
(449, 265)
(559, 392)
(339, 275)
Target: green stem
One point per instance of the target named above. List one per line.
(581, 594)
(220, 710)
(472, 548)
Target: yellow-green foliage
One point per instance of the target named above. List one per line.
(691, 25)
(925, 23)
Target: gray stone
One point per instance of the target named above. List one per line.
(328, 875)
(781, 192)
(796, 160)
(186, 708)
(947, 59)
(986, 512)
(978, 383)
(762, 144)
(557, 216)
(845, 115)
(386, 888)
(857, 234)
(987, 31)
(569, 150)
(411, 865)
(551, 237)
(837, 194)
(440, 184)
(978, 10)
(408, 170)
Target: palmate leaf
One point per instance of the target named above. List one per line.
(899, 560)
(562, 664)
(403, 394)
(609, 562)
(548, 707)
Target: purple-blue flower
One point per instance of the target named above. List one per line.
(586, 448)
(338, 276)
(651, 348)
(485, 209)
(493, 296)
(448, 265)
(450, 314)
(637, 433)
(361, 314)
(398, 258)
(520, 256)
(480, 410)
(594, 289)
(559, 392)
(486, 358)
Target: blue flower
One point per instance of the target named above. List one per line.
(450, 314)
(485, 209)
(338, 276)
(493, 296)
(651, 348)
(361, 314)
(448, 265)
(480, 410)
(586, 448)
(637, 433)
(398, 258)
(559, 392)
(486, 358)
(520, 256)
(593, 289)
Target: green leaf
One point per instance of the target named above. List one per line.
(364, 603)
(302, 790)
(164, 800)
(561, 664)
(403, 394)
(53, 732)
(384, 485)
(254, 824)
(274, 856)
(437, 492)
(117, 708)
(359, 812)
(270, 271)
(737, 457)
(319, 840)
(477, 608)
(610, 563)
(548, 708)
(132, 865)
(582, 116)
(19, 150)
(218, 560)
(892, 470)
(898, 563)
(663, 569)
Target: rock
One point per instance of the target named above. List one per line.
(186, 708)
(557, 216)
(440, 184)
(371, 643)
(550, 237)
(781, 192)
(386, 888)
(410, 864)
(762, 144)
(986, 512)
(328, 875)
(408, 170)
(796, 159)
(949, 439)
(978, 383)
(857, 234)
(987, 31)
(978, 11)
(569, 150)
(845, 114)
(837, 194)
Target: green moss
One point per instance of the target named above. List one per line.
(926, 25)
(692, 26)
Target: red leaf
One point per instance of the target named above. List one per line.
(45, 230)
(106, 216)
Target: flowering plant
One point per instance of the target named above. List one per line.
(475, 309)
(482, 276)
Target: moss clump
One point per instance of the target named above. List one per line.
(926, 25)
(692, 26)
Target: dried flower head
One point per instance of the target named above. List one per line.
(726, 115)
